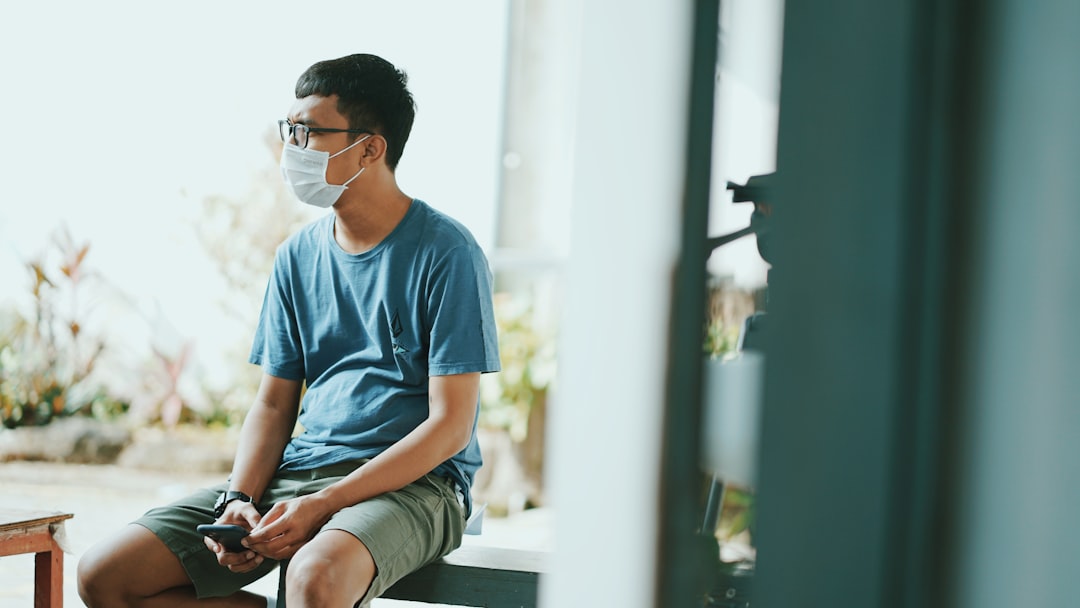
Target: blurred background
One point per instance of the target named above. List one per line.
(167, 195)
(905, 426)
(135, 248)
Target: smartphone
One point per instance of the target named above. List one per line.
(228, 535)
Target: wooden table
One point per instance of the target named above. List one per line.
(32, 532)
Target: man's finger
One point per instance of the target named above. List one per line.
(252, 517)
(234, 560)
(267, 532)
(281, 553)
(212, 545)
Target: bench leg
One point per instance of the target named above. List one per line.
(282, 567)
(49, 578)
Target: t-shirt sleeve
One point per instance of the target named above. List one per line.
(463, 336)
(276, 346)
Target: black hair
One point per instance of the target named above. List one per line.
(372, 94)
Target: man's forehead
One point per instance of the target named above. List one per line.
(317, 110)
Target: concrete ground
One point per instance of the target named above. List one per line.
(104, 498)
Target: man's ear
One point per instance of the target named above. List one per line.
(373, 149)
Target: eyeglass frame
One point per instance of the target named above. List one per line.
(307, 137)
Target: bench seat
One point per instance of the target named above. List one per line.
(471, 575)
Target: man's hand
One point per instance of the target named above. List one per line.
(289, 525)
(242, 514)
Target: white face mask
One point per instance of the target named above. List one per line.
(304, 170)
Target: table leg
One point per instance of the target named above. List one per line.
(49, 578)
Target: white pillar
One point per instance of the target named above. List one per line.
(603, 453)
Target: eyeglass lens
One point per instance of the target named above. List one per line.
(297, 133)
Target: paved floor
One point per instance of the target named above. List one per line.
(105, 498)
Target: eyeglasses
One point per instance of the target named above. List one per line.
(299, 133)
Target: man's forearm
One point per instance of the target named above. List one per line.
(415, 455)
(262, 441)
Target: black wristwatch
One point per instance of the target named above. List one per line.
(226, 498)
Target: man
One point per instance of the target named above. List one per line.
(384, 309)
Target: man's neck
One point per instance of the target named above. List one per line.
(363, 222)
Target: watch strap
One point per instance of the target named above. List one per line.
(226, 498)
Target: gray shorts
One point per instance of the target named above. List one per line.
(403, 530)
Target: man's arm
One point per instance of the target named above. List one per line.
(267, 427)
(446, 431)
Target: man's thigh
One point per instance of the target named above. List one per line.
(132, 563)
(403, 530)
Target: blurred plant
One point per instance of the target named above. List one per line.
(721, 338)
(738, 514)
(47, 360)
(728, 308)
(528, 358)
(159, 398)
(514, 400)
(241, 236)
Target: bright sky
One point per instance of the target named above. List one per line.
(122, 115)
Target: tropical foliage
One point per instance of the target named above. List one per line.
(47, 359)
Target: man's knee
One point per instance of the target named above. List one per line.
(93, 580)
(323, 578)
(321, 582)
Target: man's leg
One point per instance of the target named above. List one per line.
(365, 548)
(333, 569)
(136, 569)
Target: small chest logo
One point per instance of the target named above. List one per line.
(395, 331)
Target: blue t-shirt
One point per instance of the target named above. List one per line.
(365, 331)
